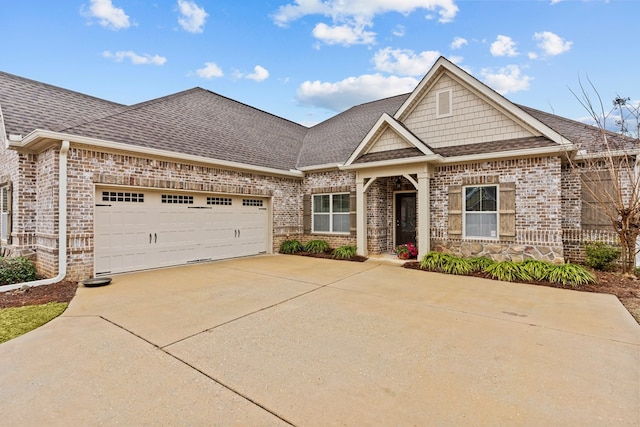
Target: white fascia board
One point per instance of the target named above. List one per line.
(435, 158)
(606, 154)
(318, 168)
(365, 141)
(31, 143)
(398, 128)
(3, 132)
(531, 152)
(485, 91)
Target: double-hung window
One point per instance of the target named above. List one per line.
(481, 212)
(4, 212)
(331, 213)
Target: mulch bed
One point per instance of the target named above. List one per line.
(327, 255)
(35, 295)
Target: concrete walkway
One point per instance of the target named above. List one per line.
(283, 340)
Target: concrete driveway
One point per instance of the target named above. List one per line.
(283, 340)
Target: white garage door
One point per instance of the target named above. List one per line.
(139, 229)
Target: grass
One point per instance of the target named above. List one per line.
(17, 321)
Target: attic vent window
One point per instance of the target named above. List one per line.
(444, 103)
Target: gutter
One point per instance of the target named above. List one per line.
(38, 138)
(62, 227)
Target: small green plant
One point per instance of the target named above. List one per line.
(17, 270)
(601, 256)
(316, 246)
(480, 263)
(571, 274)
(434, 261)
(345, 252)
(290, 247)
(456, 265)
(538, 270)
(508, 271)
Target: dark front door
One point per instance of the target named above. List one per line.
(405, 218)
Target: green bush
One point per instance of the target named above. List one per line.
(290, 247)
(480, 263)
(508, 271)
(538, 270)
(345, 252)
(434, 261)
(570, 274)
(456, 265)
(601, 256)
(16, 270)
(316, 246)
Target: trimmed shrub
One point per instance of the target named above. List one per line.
(508, 271)
(345, 252)
(601, 256)
(316, 246)
(290, 247)
(16, 270)
(571, 274)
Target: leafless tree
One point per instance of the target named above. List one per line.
(608, 171)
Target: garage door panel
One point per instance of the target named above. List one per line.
(161, 229)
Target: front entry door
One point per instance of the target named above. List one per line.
(405, 218)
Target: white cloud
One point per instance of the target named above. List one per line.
(210, 71)
(107, 14)
(504, 46)
(351, 17)
(404, 62)
(506, 80)
(552, 44)
(352, 91)
(193, 17)
(343, 34)
(399, 31)
(259, 74)
(135, 59)
(532, 55)
(458, 42)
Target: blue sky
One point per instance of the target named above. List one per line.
(306, 60)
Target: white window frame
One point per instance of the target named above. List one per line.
(450, 112)
(330, 213)
(464, 212)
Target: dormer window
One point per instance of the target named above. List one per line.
(444, 103)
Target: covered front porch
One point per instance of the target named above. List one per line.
(392, 208)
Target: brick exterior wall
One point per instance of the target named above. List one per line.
(538, 208)
(327, 182)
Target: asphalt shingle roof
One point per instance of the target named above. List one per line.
(335, 139)
(202, 123)
(28, 105)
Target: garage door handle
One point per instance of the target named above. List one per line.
(149, 237)
(238, 233)
(156, 238)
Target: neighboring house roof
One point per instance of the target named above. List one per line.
(28, 105)
(333, 140)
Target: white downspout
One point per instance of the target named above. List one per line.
(62, 226)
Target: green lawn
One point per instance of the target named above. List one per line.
(20, 320)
